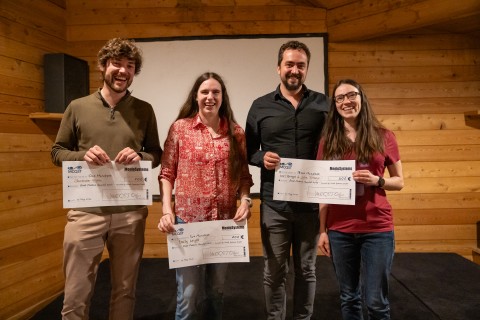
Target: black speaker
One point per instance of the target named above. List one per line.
(478, 234)
(66, 79)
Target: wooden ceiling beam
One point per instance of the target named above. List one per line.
(330, 4)
(354, 22)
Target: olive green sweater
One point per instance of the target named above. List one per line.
(90, 121)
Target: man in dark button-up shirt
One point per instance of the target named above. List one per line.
(287, 123)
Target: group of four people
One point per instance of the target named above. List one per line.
(205, 158)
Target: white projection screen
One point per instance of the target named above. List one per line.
(248, 65)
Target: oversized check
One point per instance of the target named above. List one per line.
(315, 181)
(112, 184)
(208, 242)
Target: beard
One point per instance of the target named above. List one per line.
(292, 86)
(109, 80)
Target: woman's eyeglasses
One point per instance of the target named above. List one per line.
(350, 95)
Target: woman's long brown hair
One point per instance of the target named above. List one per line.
(370, 131)
(190, 109)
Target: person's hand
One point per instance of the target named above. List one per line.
(166, 223)
(271, 160)
(96, 155)
(324, 244)
(365, 177)
(127, 156)
(243, 211)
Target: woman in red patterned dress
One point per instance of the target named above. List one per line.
(205, 160)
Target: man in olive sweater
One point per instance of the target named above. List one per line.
(108, 125)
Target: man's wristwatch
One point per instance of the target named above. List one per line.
(248, 200)
(381, 182)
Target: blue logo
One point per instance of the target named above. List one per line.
(178, 232)
(77, 169)
(286, 165)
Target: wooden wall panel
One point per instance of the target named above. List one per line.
(22, 51)
(17, 217)
(408, 41)
(421, 105)
(22, 253)
(417, 74)
(25, 161)
(12, 123)
(435, 201)
(31, 232)
(86, 16)
(437, 169)
(44, 16)
(31, 214)
(13, 142)
(402, 122)
(37, 265)
(460, 247)
(26, 295)
(128, 4)
(142, 19)
(366, 8)
(18, 105)
(458, 90)
(16, 68)
(397, 58)
(190, 29)
(31, 36)
(30, 178)
(37, 196)
(440, 153)
(368, 19)
(438, 137)
(23, 87)
(443, 216)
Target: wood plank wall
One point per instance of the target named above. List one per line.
(31, 214)
(420, 83)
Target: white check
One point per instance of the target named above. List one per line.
(315, 181)
(112, 184)
(208, 242)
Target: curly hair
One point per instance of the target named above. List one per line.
(118, 48)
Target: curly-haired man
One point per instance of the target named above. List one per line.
(108, 125)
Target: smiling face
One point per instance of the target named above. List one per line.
(350, 107)
(293, 69)
(209, 98)
(118, 74)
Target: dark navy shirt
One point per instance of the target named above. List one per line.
(273, 124)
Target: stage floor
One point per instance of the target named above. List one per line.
(423, 286)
